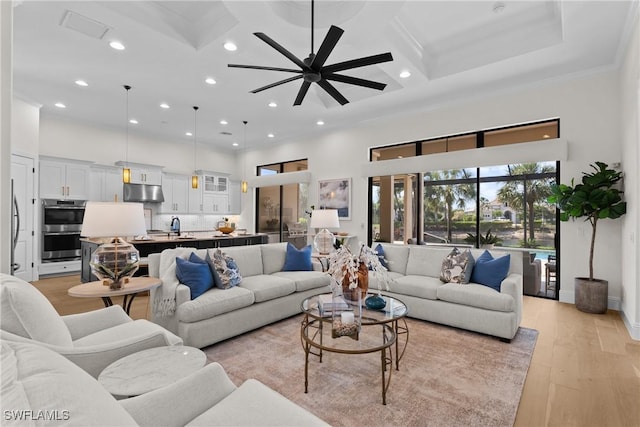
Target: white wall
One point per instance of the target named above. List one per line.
(588, 108)
(630, 136)
(25, 128)
(6, 87)
(61, 137)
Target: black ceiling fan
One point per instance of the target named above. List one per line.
(313, 70)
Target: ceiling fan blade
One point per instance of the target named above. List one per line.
(328, 87)
(356, 63)
(355, 81)
(302, 93)
(268, 40)
(259, 67)
(281, 82)
(329, 42)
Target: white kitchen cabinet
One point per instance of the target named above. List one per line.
(195, 198)
(61, 179)
(176, 192)
(235, 196)
(106, 184)
(215, 184)
(146, 176)
(215, 203)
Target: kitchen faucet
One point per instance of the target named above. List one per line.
(175, 225)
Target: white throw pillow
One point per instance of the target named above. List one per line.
(28, 313)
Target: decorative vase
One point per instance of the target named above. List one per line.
(346, 322)
(591, 295)
(375, 302)
(362, 281)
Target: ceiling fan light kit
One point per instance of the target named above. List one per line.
(313, 70)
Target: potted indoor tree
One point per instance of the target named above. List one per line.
(595, 198)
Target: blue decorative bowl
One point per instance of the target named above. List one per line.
(375, 302)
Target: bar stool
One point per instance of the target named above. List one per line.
(550, 273)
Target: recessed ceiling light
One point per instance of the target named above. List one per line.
(60, 105)
(133, 121)
(116, 45)
(223, 122)
(164, 105)
(235, 144)
(210, 81)
(82, 83)
(271, 135)
(273, 104)
(320, 123)
(405, 74)
(188, 133)
(230, 46)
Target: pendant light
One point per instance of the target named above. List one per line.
(126, 171)
(244, 186)
(194, 177)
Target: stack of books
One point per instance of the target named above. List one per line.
(327, 303)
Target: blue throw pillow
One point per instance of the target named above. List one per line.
(195, 275)
(297, 259)
(380, 251)
(195, 258)
(489, 271)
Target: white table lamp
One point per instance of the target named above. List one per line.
(324, 218)
(116, 261)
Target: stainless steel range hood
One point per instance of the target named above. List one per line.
(143, 193)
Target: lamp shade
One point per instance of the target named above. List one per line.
(325, 218)
(113, 219)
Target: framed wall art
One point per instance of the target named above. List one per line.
(336, 194)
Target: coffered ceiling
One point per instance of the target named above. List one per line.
(453, 50)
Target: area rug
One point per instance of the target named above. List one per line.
(448, 377)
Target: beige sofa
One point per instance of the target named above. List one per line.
(265, 295)
(416, 271)
(41, 387)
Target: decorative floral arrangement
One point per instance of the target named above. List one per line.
(343, 263)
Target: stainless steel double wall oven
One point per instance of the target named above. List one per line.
(61, 225)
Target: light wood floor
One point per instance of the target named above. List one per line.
(585, 369)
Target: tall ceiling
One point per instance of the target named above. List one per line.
(453, 50)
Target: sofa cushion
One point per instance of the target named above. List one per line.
(196, 275)
(213, 303)
(40, 380)
(266, 287)
(248, 259)
(227, 270)
(254, 404)
(417, 286)
(306, 280)
(475, 295)
(24, 311)
(273, 256)
(489, 271)
(425, 261)
(297, 259)
(457, 266)
(396, 256)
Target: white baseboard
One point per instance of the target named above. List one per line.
(613, 303)
(633, 328)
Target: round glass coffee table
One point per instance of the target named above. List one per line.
(381, 331)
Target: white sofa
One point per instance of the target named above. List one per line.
(265, 295)
(416, 271)
(41, 387)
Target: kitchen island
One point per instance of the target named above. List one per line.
(158, 242)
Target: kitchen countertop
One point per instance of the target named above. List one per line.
(187, 236)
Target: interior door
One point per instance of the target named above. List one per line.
(22, 174)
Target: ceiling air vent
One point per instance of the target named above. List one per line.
(226, 133)
(82, 24)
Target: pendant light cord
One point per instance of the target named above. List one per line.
(312, 19)
(195, 136)
(126, 155)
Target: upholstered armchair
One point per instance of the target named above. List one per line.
(91, 340)
(531, 274)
